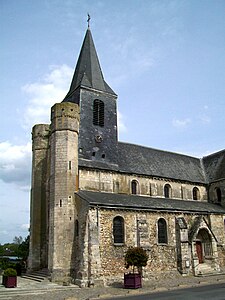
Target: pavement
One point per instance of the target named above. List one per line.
(31, 290)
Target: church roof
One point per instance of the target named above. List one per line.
(124, 201)
(88, 72)
(214, 165)
(148, 161)
(140, 160)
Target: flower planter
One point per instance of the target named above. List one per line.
(9, 281)
(132, 281)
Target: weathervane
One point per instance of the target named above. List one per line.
(88, 20)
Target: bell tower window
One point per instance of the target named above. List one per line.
(98, 113)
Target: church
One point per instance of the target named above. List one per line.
(93, 197)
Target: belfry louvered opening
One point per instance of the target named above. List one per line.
(98, 113)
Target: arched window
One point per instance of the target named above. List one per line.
(162, 231)
(118, 230)
(218, 195)
(134, 187)
(98, 113)
(195, 193)
(167, 191)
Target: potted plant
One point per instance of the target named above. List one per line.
(136, 257)
(9, 278)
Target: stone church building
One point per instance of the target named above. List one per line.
(93, 196)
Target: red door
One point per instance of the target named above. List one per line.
(199, 251)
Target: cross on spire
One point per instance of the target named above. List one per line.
(88, 20)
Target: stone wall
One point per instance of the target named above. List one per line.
(63, 174)
(96, 180)
(103, 261)
(39, 205)
(212, 191)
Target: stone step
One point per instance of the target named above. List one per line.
(39, 275)
(206, 270)
(33, 277)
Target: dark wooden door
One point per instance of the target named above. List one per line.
(199, 251)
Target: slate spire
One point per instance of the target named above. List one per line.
(88, 72)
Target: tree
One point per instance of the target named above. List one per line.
(136, 257)
(18, 240)
(23, 248)
(1, 250)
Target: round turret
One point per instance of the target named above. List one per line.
(40, 135)
(65, 116)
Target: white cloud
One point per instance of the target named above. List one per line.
(205, 119)
(15, 163)
(204, 116)
(50, 90)
(181, 123)
(42, 95)
(25, 227)
(121, 125)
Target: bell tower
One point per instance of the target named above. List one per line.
(98, 109)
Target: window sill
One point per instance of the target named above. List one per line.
(118, 244)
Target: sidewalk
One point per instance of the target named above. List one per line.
(28, 289)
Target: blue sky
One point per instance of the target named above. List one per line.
(164, 59)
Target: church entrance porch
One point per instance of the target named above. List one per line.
(204, 253)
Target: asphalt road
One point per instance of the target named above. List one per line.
(206, 292)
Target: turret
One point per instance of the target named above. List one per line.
(63, 184)
(38, 210)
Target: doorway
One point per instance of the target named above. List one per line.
(199, 251)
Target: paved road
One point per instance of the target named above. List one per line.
(175, 287)
(207, 292)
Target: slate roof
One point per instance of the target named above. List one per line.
(88, 72)
(148, 161)
(214, 165)
(123, 201)
(142, 160)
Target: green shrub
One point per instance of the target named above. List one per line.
(136, 257)
(10, 272)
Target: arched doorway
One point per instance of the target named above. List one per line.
(203, 245)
